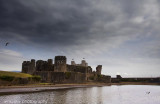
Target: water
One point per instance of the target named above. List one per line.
(125, 94)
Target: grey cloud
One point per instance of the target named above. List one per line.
(50, 24)
(78, 26)
(10, 60)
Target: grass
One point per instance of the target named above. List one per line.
(14, 74)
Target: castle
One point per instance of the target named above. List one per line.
(61, 72)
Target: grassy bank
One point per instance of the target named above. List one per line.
(14, 78)
(14, 74)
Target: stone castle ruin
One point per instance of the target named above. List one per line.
(61, 72)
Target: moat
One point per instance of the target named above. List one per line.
(124, 94)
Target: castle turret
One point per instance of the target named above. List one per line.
(32, 66)
(118, 76)
(99, 69)
(50, 61)
(84, 63)
(25, 67)
(50, 66)
(28, 66)
(73, 62)
(60, 64)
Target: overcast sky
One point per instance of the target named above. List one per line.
(121, 35)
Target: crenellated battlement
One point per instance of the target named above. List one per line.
(50, 72)
(60, 65)
(28, 66)
(83, 63)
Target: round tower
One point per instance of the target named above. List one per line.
(99, 69)
(60, 64)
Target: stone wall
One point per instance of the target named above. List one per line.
(81, 69)
(44, 65)
(105, 79)
(154, 80)
(76, 77)
(139, 80)
(28, 66)
(61, 77)
(43, 75)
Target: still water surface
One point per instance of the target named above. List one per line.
(125, 94)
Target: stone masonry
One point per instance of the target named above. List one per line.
(61, 72)
(99, 69)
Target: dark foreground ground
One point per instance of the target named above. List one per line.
(7, 90)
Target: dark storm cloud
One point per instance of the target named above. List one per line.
(79, 24)
(45, 22)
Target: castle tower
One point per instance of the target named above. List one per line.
(25, 66)
(32, 66)
(40, 65)
(60, 64)
(73, 62)
(99, 69)
(28, 66)
(118, 76)
(50, 61)
(84, 63)
(50, 66)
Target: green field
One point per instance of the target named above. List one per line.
(14, 74)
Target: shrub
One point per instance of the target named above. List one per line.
(29, 78)
(7, 78)
(36, 78)
(22, 80)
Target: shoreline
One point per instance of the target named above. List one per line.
(9, 90)
(135, 83)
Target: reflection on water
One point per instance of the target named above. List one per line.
(126, 94)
